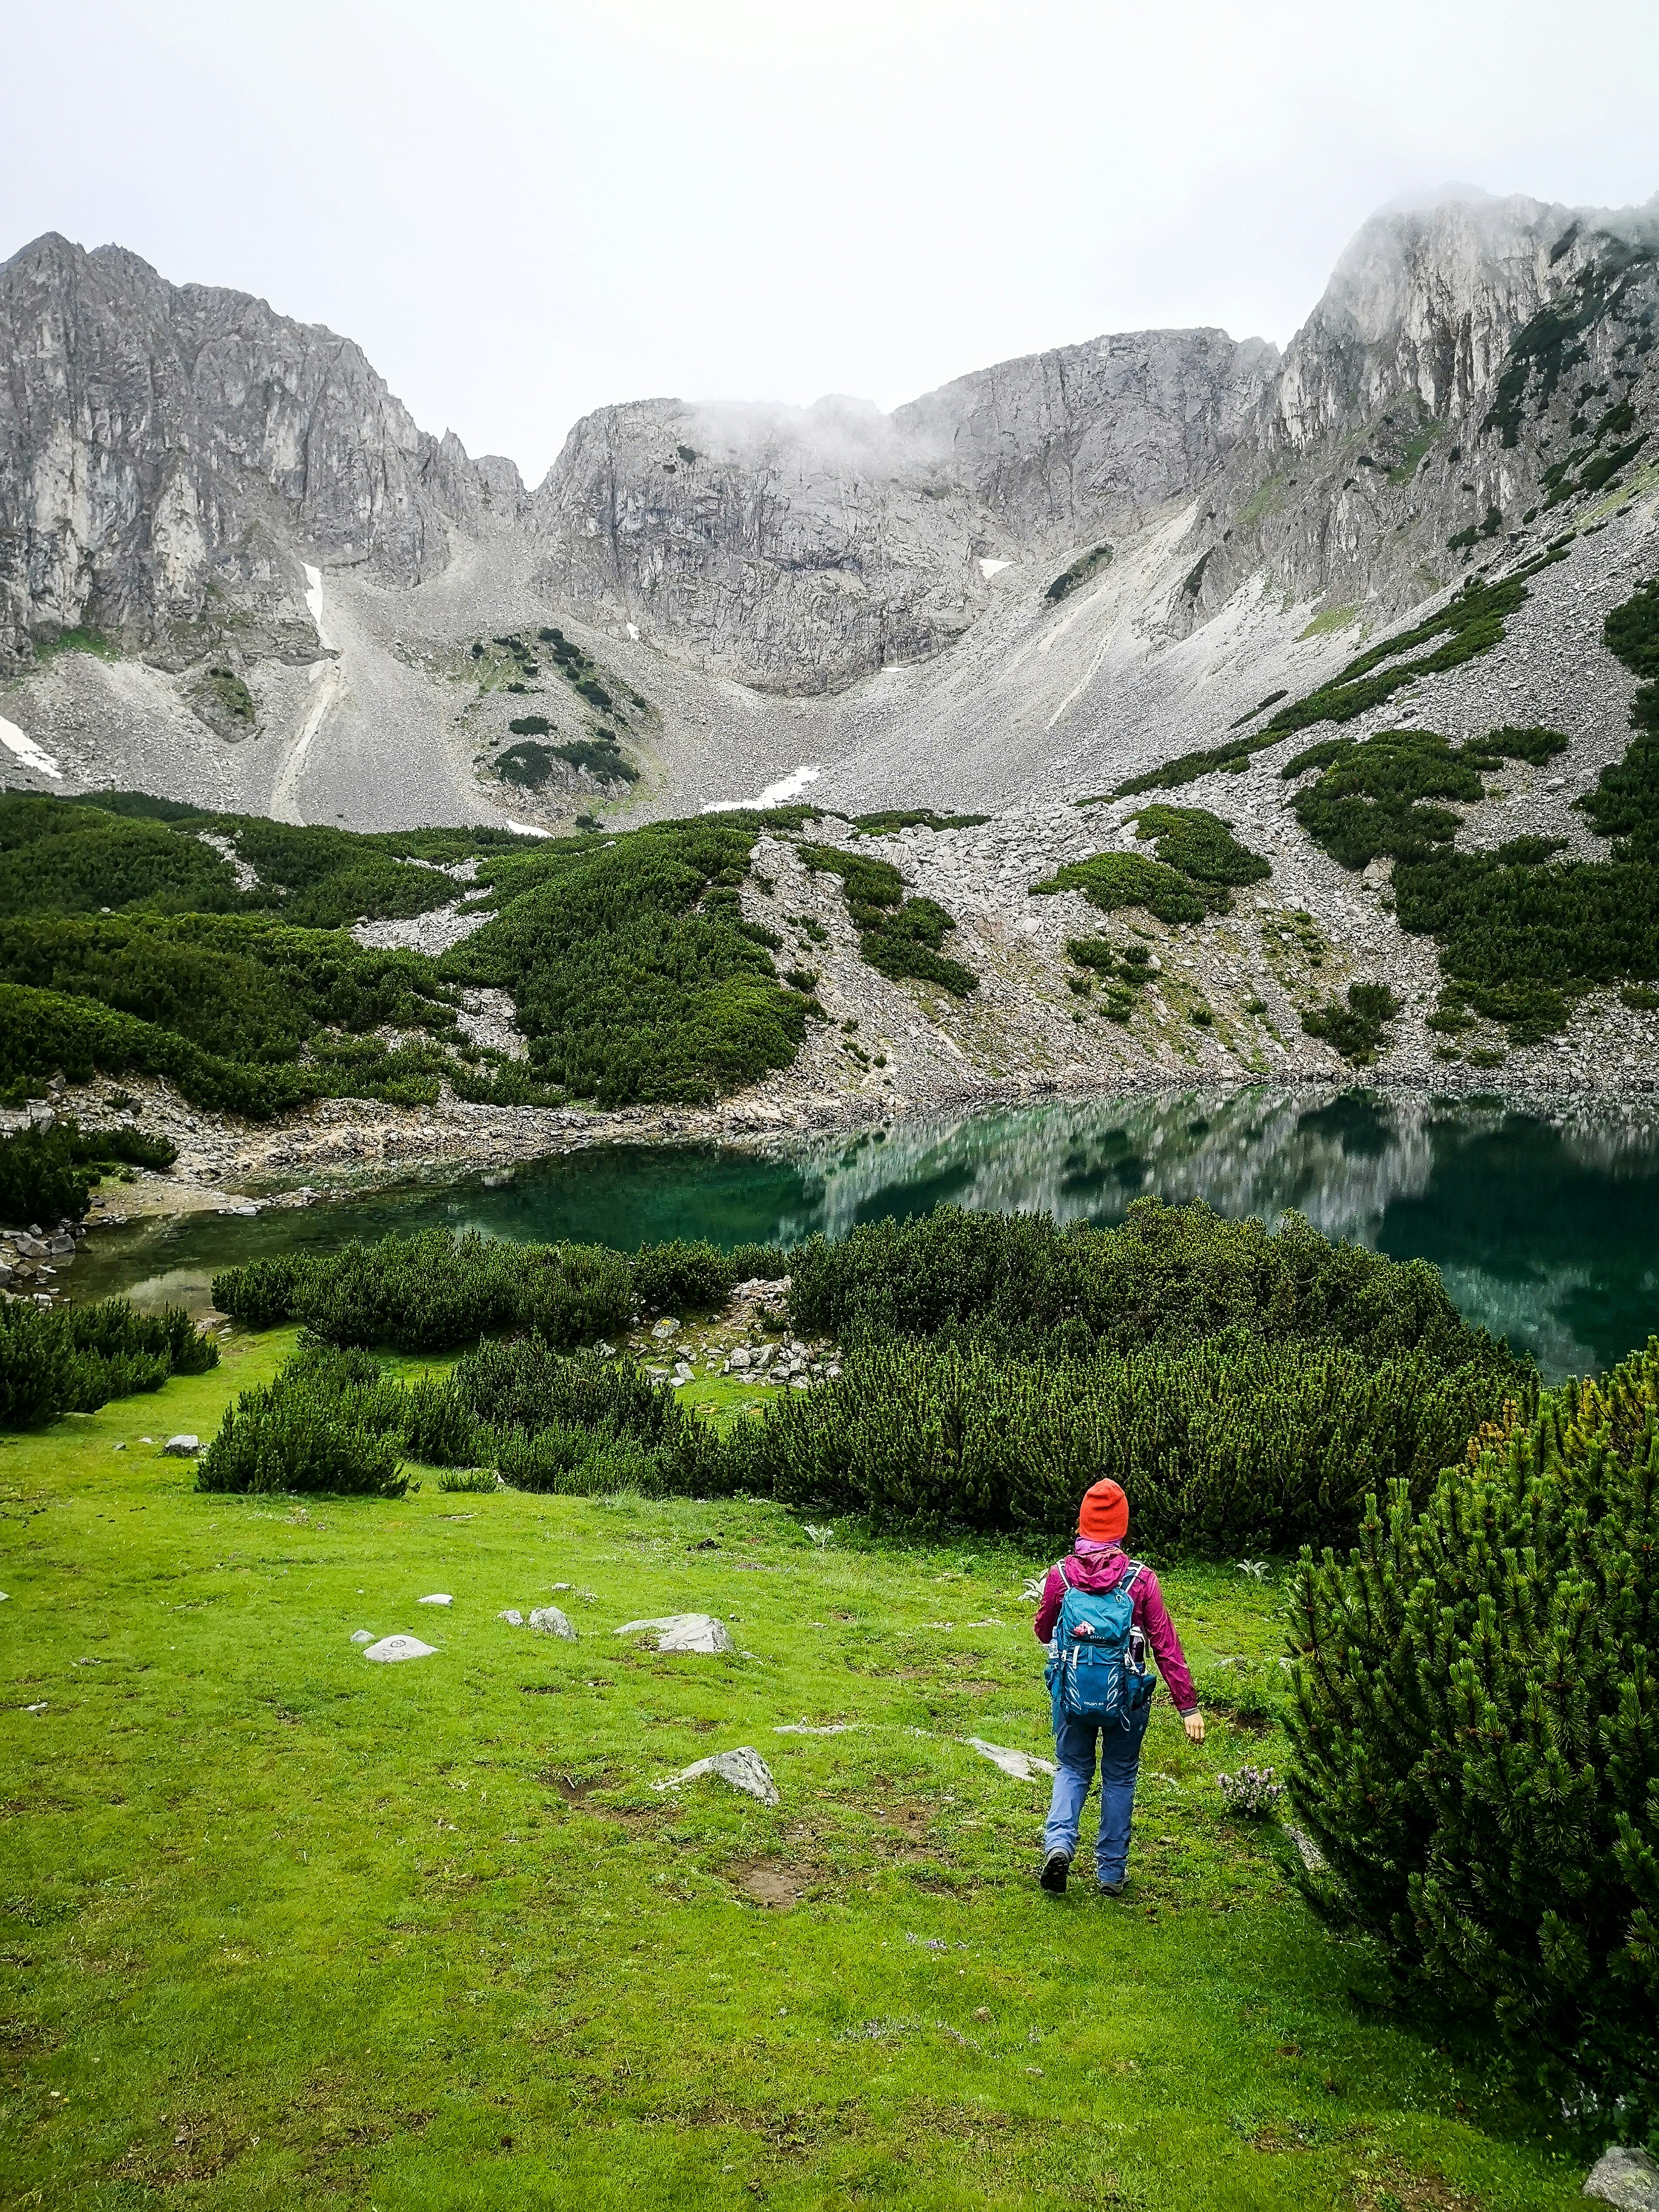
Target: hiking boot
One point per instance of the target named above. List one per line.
(1112, 1888)
(1055, 1868)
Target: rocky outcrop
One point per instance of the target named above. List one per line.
(1478, 372)
(795, 549)
(798, 549)
(1060, 444)
(1460, 354)
(170, 456)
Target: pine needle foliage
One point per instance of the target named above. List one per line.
(1228, 1441)
(1359, 1029)
(1476, 1736)
(72, 1359)
(432, 1290)
(1199, 861)
(48, 1173)
(1167, 1275)
(1112, 881)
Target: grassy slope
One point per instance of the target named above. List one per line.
(281, 1929)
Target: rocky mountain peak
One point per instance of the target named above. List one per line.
(169, 453)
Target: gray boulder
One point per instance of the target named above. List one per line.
(391, 1648)
(1628, 2178)
(744, 1769)
(684, 1632)
(548, 1620)
(181, 1447)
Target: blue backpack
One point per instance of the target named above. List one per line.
(1097, 1671)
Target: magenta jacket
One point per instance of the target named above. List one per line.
(1092, 1565)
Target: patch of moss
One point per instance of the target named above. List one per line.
(1322, 625)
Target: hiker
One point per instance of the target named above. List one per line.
(1101, 1608)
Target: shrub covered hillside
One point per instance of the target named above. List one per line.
(1249, 1390)
(1477, 1738)
(139, 936)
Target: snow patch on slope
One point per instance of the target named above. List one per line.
(31, 755)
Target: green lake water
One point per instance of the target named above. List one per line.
(1544, 1223)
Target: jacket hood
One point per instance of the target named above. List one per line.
(1096, 1567)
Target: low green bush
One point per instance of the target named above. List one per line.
(1366, 803)
(682, 1277)
(1167, 1276)
(528, 1385)
(758, 1263)
(1201, 847)
(1112, 881)
(72, 1359)
(431, 1291)
(1086, 566)
(631, 983)
(327, 1423)
(898, 937)
(48, 1173)
(1476, 1738)
(1225, 1444)
(1357, 1029)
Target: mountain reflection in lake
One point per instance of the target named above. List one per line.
(1544, 1220)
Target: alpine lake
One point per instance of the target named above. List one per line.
(1542, 1217)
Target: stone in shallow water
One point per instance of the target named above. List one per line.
(1023, 1766)
(684, 1632)
(438, 1597)
(548, 1620)
(181, 1447)
(391, 1648)
(743, 1768)
(363, 1635)
(1628, 2178)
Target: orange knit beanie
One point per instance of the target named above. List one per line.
(1104, 1515)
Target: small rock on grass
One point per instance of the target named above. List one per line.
(684, 1632)
(181, 1447)
(1022, 1765)
(391, 1648)
(363, 1635)
(743, 1768)
(1627, 2178)
(438, 1597)
(513, 1619)
(548, 1620)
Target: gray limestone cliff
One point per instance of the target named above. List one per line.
(171, 456)
(1472, 368)
(798, 549)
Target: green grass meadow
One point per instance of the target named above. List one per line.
(281, 1929)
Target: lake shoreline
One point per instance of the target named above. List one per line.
(342, 1150)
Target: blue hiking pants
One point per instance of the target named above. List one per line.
(1075, 1742)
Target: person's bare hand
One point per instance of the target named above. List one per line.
(1194, 1724)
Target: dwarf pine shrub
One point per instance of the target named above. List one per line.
(1476, 1736)
(1226, 1444)
(431, 1291)
(72, 1359)
(1166, 1275)
(682, 1277)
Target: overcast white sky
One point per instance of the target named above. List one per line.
(522, 211)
